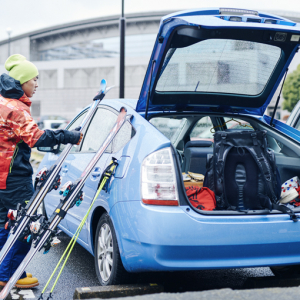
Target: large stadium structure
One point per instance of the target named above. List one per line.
(72, 58)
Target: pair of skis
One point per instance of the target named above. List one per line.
(43, 232)
(46, 181)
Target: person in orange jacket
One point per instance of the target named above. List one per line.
(18, 134)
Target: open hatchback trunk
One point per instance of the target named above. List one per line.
(218, 60)
(222, 64)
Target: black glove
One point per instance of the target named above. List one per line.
(51, 138)
(73, 136)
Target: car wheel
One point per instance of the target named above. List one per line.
(108, 264)
(286, 271)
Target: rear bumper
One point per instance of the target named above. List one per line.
(153, 238)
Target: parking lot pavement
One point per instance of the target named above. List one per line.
(208, 284)
(226, 294)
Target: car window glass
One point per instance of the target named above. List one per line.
(122, 137)
(202, 130)
(75, 123)
(297, 125)
(274, 144)
(237, 124)
(218, 66)
(102, 123)
(169, 127)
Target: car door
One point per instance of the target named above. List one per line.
(53, 198)
(101, 124)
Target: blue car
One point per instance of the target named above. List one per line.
(209, 69)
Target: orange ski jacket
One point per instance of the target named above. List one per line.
(16, 125)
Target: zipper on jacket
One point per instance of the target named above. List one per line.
(14, 156)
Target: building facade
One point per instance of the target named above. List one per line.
(73, 58)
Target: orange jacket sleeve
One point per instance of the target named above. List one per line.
(23, 125)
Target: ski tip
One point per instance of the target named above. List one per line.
(102, 86)
(101, 93)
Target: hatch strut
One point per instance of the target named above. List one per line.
(276, 105)
(148, 96)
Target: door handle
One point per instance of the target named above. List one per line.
(65, 169)
(96, 174)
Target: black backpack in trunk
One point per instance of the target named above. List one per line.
(243, 174)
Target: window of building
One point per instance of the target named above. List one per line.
(135, 45)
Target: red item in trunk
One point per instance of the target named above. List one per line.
(296, 202)
(201, 198)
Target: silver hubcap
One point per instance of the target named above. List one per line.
(105, 252)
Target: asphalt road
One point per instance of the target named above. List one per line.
(80, 272)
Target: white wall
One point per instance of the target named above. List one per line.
(20, 46)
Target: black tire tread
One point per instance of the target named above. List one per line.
(286, 271)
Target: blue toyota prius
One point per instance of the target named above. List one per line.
(210, 70)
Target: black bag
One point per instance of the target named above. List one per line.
(243, 174)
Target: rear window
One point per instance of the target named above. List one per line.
(219, 66)
(169, 127)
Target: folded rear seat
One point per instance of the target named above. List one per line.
(195, 156)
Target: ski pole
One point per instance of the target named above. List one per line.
(106, 175)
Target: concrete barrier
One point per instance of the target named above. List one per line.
(116, 291)
(271, 281)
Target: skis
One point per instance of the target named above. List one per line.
(45, 233)
(106, 175)
(46, 181)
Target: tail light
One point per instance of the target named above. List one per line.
(158, 179)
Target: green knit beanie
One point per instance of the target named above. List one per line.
(20, 69)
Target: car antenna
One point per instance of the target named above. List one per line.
(276, 105)
(148, 95)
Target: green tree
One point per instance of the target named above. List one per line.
(291, 90)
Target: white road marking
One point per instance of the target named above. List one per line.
(13, 295)
(27, 294)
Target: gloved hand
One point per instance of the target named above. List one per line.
(75, 137)
(81, 135)
(51, 138)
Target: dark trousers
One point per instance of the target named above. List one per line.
(17, 191)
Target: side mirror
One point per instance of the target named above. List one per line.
(49, 149)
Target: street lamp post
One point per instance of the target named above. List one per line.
(9, 31)
(122, 53)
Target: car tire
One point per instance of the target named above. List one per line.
(108, 264)
(286, 271)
